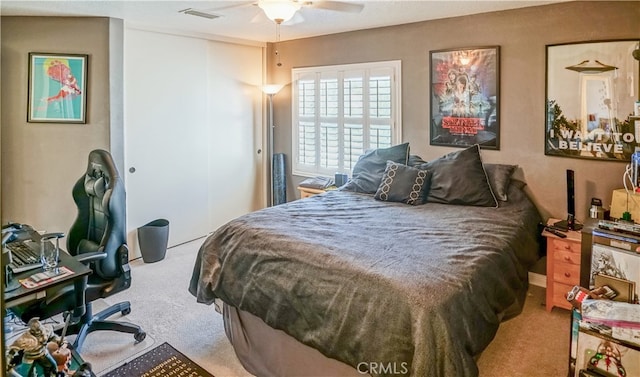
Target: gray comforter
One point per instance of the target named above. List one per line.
(418, 290)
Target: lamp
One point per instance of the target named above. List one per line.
(270, 90)
(279, 11)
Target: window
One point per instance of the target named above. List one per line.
(339, 112)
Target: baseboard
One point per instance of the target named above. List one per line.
(537, 279)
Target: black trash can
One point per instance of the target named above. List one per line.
(153, 238)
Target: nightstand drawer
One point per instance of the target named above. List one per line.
(563, 245)
(567, 274)
(568, 257)
(559, 290)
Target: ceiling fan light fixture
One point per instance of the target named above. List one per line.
(279, 11)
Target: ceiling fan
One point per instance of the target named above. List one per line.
(280, 11)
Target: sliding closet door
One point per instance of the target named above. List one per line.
(190, 121)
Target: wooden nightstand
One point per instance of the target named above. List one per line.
(306, 192)
(563, 266)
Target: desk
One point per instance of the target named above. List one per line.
(23, 295)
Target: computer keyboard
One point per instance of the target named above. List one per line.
(23, 257)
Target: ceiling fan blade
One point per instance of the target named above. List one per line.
(296, 19)
(339, 6)
(238, 4)
(259, 17)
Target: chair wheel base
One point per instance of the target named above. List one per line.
(140, 336)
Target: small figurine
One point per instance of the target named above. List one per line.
(62, 355)
(83, 371)
(579, 294)
(33, 344)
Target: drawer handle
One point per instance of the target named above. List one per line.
(567, 274)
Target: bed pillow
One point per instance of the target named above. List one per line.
(415, 161)
(500, 179)
(368, 171)
(459, 178)
(404, 184)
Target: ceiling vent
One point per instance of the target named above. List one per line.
(199, 13)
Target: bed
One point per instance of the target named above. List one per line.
(347, 283)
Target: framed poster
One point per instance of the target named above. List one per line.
(57, 88)
(619, 264)
(591, 90)
(465, 98)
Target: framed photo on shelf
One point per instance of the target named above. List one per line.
(619, 265)
(591, 91)
(57, 88)
(465, 98)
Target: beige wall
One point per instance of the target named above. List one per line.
(42, 161)
(522, 36)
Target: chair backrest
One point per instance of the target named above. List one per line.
(101, 221)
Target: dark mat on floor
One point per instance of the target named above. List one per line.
(163, 360)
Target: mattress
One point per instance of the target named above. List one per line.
(419, 290)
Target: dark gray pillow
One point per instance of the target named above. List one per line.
(459, 178)
(368, 171)
(500, 179)
(415, 160)
(402, 183)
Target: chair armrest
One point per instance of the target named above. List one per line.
(48, 236)
(87, 258)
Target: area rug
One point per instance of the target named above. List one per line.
(161, 361)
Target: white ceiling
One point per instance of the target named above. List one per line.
(243, 20)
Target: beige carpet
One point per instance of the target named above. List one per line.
(535, 343)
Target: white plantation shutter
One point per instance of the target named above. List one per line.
(339, 112)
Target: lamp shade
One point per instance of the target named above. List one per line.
(279, 11)
(271, 88)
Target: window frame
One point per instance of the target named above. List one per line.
(338, 71)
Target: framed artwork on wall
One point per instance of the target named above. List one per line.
(465, 97)
(591, 90)
(57, 88)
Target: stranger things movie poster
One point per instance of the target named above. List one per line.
(465, 97)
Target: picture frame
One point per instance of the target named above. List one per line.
(465, 97)
(601, 355)
(591, 91)
(57, 88)
(616, 263)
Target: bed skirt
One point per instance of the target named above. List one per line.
(267, 352)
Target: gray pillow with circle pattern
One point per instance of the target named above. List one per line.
(404, 184)
(369, 168)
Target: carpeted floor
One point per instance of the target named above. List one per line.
(533, 343)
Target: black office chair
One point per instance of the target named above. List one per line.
(98, 237)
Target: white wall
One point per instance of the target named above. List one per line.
(193, 116)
